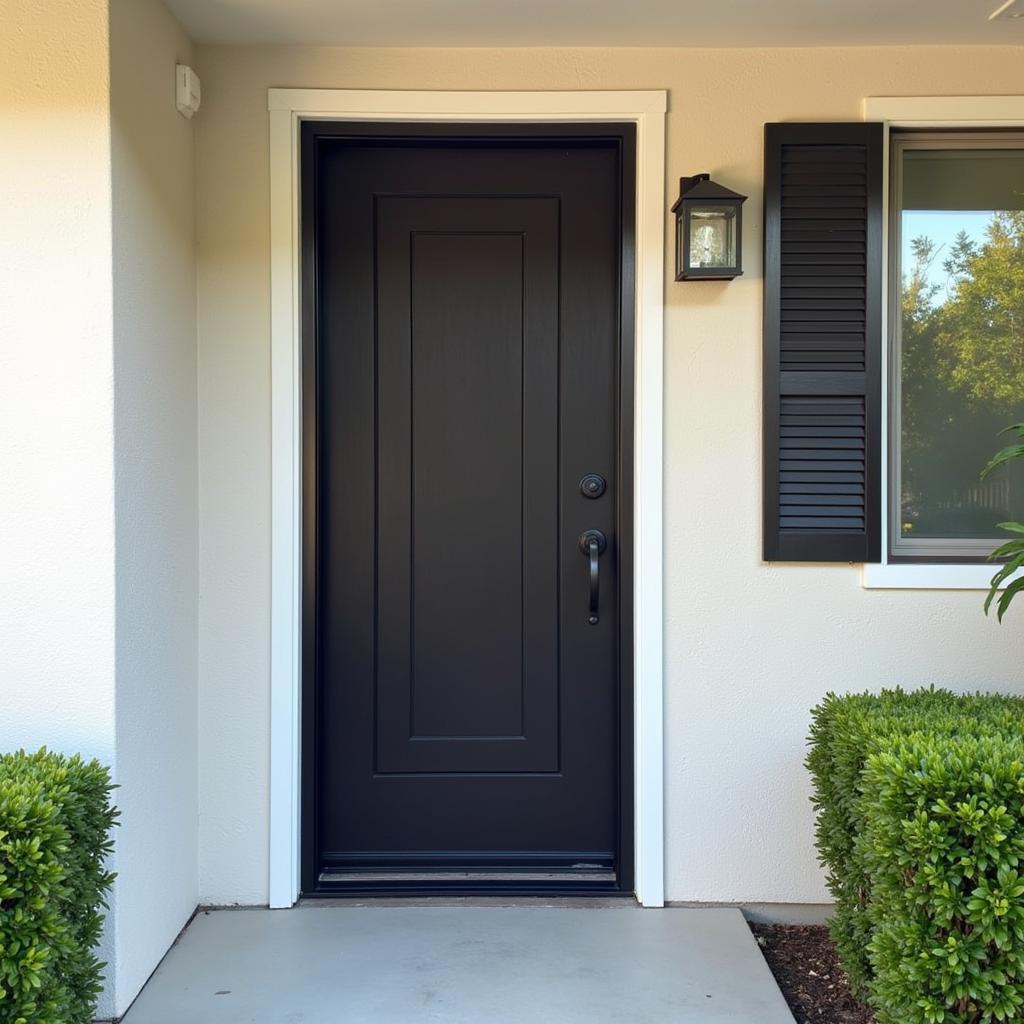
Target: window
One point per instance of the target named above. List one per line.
(956, 328)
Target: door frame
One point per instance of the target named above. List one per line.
(622, 137)
(288, 108)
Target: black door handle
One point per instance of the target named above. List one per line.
(593, 544)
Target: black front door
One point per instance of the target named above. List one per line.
(466, 712)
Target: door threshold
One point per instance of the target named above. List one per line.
(465, 882)
(491, 901)
(434, 877)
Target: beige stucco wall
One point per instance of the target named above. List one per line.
(749, 647)
(98, 451)
(156, 488)
(57, 654)
(56, 377)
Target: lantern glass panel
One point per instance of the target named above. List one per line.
(712, 236)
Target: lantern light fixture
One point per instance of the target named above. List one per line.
(708, 230)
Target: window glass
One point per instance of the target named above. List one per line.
(959, 251)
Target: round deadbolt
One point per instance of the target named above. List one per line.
(593, 485)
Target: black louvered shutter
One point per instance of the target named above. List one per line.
(822, 342)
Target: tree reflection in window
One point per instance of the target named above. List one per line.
(962, 364)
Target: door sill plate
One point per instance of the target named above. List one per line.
(435, 877)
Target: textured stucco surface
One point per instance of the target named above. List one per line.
(98, 451)
(57, 655)
(156, 484)
(749, 647)
(56, 378)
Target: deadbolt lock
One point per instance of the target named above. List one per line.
(593, 485)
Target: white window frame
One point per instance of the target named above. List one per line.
(288, 108)
(948, 112)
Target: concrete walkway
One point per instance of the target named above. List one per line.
(463, 965)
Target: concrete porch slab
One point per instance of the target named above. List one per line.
(463, 965)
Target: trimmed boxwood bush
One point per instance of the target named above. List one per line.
(55, 822)
(920, 800)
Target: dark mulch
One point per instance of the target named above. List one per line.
(806, 967)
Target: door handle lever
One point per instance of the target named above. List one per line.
(593, 544)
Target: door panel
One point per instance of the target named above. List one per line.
(464, 336)
(468, 403)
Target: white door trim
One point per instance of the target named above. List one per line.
(287, 108)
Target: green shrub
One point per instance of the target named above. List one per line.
(55, 822)
(1011, 554)
(920, 800)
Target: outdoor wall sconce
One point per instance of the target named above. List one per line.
(708, 230)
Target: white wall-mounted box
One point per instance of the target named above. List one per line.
(186, 90)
